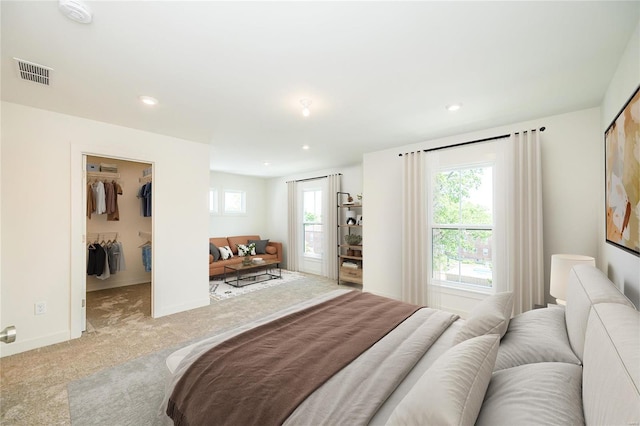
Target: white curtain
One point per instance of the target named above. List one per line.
(292, 223)
(524, 230)
(414, 223)
(330, 221)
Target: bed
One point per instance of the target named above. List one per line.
(556, 365)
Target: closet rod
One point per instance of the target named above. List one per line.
(542, 129)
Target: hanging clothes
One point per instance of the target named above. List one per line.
(115, 214)
(106, 273)
(91, 201)
(146, 257)
(96, 259)
(115, 253)
(144, 194)
(109, 197)
(98, 193)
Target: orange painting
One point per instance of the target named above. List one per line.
(622, 169)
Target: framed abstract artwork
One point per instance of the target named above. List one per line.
(622, 177)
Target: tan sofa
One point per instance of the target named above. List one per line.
(273, 252)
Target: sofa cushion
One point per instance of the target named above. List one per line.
(271, 250)
(611, 376)
(491, 316)
(225, 252)
(240, 239)
(261, 245)
(536, 336)
(587, 286)
(451, 391)
(546, 393)
(213, 250)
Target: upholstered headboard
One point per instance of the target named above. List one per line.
(604, 331)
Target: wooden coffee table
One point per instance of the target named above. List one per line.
(242, 275)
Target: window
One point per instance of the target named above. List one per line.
(462, 227)
(213, 200)
(234, 202)
(313, 229)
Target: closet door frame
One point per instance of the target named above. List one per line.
(78, 285)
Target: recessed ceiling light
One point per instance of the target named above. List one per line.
(306, 147)
(266, 163)
(305, 104)
(453, 107)
(148, 100)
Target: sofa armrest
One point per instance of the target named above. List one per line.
(278, 247)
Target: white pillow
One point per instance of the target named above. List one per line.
(243, 249)
(546, 393)
(536, 336)
(491, 316)
(225, 252)
(451, 391)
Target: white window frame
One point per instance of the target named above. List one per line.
(477, 155)
(214, 201)
(243, 202)
(304, 252)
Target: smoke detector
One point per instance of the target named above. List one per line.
(75, 10)
(30, 71)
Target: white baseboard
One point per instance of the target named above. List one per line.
(26, 345)
(109, 283)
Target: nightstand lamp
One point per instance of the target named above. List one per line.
(561, 265)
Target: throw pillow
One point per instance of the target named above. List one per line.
(491, 316)
(271, 250)
(534, 336)
(213, 250)
(451, 391)
(244, 249)
(261, 245)
(546, 393)
(225, 252)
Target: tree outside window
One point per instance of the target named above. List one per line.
(462, 226)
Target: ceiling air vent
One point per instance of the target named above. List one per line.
(33, 72)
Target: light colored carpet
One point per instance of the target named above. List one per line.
(219, 290)
(35, 385)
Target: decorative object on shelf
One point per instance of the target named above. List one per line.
(359, 196)
(561, 265)
(622, 174)
(353, 239)
(359, 220)
(351, 217)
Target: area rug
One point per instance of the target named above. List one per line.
(218, 290)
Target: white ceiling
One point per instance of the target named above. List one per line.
(379, 74)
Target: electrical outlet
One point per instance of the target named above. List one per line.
(41, 308)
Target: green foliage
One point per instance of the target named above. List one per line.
(452, 206)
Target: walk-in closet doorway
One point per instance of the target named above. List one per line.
(118, 237)
(119, 287)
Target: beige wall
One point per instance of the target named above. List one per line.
(43, 219)
(131, 221)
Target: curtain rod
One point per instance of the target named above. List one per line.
(313, 178)
(542, 129)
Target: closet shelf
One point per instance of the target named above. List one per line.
(103, 175)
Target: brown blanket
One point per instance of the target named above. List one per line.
(259, 377)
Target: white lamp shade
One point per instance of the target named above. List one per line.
(561, 265)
